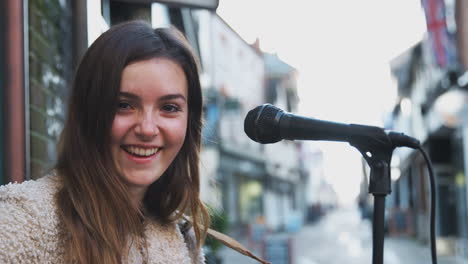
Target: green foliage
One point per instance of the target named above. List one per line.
(219, 222)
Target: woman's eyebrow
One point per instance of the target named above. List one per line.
(129, 95)
(166, 97)
(172, 97)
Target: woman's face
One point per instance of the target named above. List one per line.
(150, 123)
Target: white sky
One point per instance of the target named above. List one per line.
(341, 49)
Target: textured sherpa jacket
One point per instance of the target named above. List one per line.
(30, 229)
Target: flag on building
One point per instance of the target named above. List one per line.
(441, 40)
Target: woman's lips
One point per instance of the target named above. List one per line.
(140, 155)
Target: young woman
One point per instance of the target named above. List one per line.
(127, 167)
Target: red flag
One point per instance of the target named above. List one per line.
(442, 41)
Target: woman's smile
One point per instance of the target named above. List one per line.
(141, 152)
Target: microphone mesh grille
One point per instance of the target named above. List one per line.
(260, 124)
(249, 123)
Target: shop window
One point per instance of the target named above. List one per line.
(250, 199)
(440, 150)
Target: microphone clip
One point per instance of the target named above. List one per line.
(378, 155)
(377, 151)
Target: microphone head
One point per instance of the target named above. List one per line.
(262, 124)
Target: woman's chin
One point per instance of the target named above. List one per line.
(141, 179)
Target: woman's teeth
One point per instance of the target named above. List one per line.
(143, 152)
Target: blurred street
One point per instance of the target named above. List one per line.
(342, 237)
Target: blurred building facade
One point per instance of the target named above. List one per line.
(432, 100)
(234, 75)
(41, 43)
(285, 194)
(261, 184)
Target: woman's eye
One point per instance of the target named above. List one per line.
(171, 108)
(124, 106)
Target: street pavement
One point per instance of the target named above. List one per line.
(342, 237)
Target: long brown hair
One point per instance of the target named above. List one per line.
(94, 203)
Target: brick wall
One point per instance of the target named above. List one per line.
(50, 73)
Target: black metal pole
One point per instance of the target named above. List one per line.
(377, 151)
(379, 187)
(378, 229)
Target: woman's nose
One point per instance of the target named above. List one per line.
(147, 127)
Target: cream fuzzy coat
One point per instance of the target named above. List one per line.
(29, 229)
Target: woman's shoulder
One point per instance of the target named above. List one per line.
(186, 230)
(32, 200)
(28, 220)
(33, 191)
(174, 242)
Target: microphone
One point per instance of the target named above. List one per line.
(269, 124)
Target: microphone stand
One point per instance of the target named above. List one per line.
(378, 155)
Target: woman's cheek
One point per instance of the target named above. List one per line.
(120, 127)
